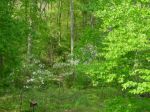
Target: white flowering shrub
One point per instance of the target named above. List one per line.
(35, 75)
(40, 75)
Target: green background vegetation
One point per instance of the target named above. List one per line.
(75, 55)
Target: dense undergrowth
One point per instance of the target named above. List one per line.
(75, 55)
(54, 99)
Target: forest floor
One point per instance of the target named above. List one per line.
(74, 100)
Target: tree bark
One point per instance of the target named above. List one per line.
(29, 48)
(1, 62)
(59, 19)
(72, 25)
(92, 21)
(29, 22)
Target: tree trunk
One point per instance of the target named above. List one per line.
(1, 62)
(72, 26)
(29, 48)
(92, 21)
(59, 19)
(28, 20)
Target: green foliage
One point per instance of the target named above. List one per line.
(125, 46)
(11, 38)
(120, 104)
(128, 35)
(111, 40)
(82, 81)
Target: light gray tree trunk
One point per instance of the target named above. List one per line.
(29, 39)
(29, 54)
(72, 25)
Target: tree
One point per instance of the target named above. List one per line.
(126, 45)
(72, 25)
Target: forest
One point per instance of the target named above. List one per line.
(74, 55)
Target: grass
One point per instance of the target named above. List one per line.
(74, 100)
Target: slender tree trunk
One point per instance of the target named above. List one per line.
(92, 21)
(32, 19)
(40, 6)
(28, 20)
(1, 60)
(29, 39)
(43, 8)
(72, 38)
(84, 14)
(135, 65)
(1, 64)
(84, 19)
(59, 19)
(29, 54)
(68, 14)
(72, 25)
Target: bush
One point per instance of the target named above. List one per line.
(121, 104)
